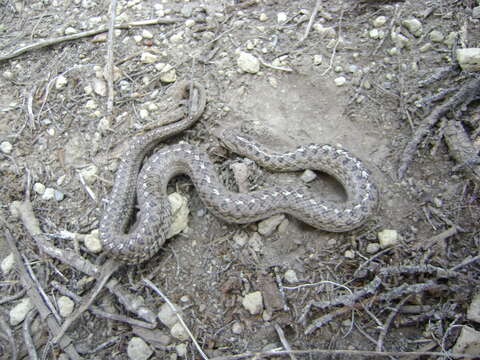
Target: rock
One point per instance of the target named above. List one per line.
(7, 263)
(39, 188)
(167, 316)
(91, 105)
(317, 59)
(179, 332)
(240, 238)
(451, 38)
(476, 12)
(400, 41)
(99, 86)
(268, 226)
(373, 248)
(436, 36)
(147, 34)
(238, 328)
(308, 176)
(148, 58)
(168, 74)
(89, 173)
(263, 17)
(138, 349)
(60, 82)
(240, 172)
(189, 23)
(248, 63)
(48, 194)
(6, 147)
(468, 342)
(340, 81)
(349, 254)
(180, 212)
(376, 34)
(282, 17)
(469, 59)
(325, 32)
(19, 311)
(255, 242)
(177, 37)
(388, 238)
(70, 31)
(92, 242)
(253, 302)
(291, 276)
(181, 350)
(144, 114)
(58, 195)
(473, 312)
(379, 21)
(414, 26)
(65, 305)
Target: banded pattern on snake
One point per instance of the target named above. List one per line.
(149, 185)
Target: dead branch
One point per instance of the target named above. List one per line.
(109, 66)
(27, 337)
(48, 42)
(5, 329)
(310, 22)
(465, 95)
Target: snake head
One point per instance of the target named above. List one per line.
(230, 139)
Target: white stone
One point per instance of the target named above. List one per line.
(469, 59)
(263, 17)
(349, 254)
(253, 302)
(181, 349)
(20, 311)
(92, 242)
(281, 17)
(468, 342)
(148, 58)
(473, 312)
(373, 248)
(168, 74)
(58, 195)
(6, 147)
(159, 66)
(376, 34)
(91, 105)
(400, 41)
(143, 113)
(70, 31)
(451, 38)
(65, 306)
(248, 63)
(60, 82)
(414, 26)
(180, 212)
(137, 38)
(49, 194)
(317, 59)
(177, 37)
(7, 263)
(379, 21)
(255, 242)
(138, 349)
(167, 316)
(179, 332)
(147, 34)
(237, 328)
(39, 188)
(388, 237)
(325, 32)
(240, 238)
(340, 81)
(291, 276)
(436, 36)
(189, 23)
(308, 176)
(99, 86)
(268, 226)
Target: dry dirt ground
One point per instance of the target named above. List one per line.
(53, 113)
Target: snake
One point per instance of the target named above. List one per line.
(144, 180)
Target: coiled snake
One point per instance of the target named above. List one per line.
(148, 183)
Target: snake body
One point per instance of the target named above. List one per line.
(149, 186)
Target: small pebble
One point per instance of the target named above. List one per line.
(248, 63)
(308, 176)
(48, 194)
(92, 242)
(237, 328)
(168, 74)
(7, 263)
(19, 312)
(148, 58)
(469, 59)
(240, 238)
(60, 82)
(263, 17)
(281, 17)
(376, 34)
(70, 31)
(253, 302)
(436, 36)
(268, 226)
(181, 349)
(414, 26)
(473, 312)
(65, 306)
(340, 81)
(291, 276)
(39, 188)
(388, 237)
(138, 349)
(6, 147)
(58, 195)
(189, 23)
(373, 248)
(179, 332)
(317, 59)
(167, 316)
(147, 34)
(349, 254)
(255, 242)
(379, 21)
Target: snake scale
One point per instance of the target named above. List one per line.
(148, 185)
